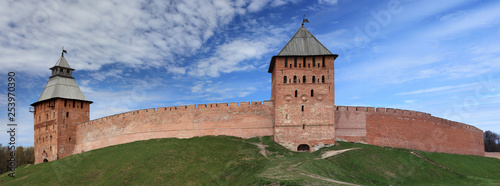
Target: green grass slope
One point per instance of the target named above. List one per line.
(227, 160)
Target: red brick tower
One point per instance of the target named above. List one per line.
(304, 93)
(60, 107)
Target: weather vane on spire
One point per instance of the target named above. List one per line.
(63, 51)
(304, 20)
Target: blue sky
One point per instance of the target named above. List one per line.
(439, 57)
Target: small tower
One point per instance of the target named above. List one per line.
(304, 93)
(60, 107)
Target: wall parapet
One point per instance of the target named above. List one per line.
(408, 113)
(183, 108)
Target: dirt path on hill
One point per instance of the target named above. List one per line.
(262, 147)
(335, 152)
(326, 179)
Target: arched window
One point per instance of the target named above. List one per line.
(312, 93)
(314, 79)
(286, 62)
(304, 61)
(314, 61)
(295, 93)
(309, 65)
(295, 62)
(303, 79)
(322, 79)
(284, 79)
(294, 79)
(323, 61)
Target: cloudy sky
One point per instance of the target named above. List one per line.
(439, 57)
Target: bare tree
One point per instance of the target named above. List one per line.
(491, 141)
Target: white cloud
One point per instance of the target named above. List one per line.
(437, 89)
(237, 55)
(331, 2)
(138, 34)
(111, 73)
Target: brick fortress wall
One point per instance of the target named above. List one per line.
(245, 120)
(406, 129)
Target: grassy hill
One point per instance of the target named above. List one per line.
(226, 160)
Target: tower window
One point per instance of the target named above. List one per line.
(314, 79)
(303, 79)
(69, 139)
(294, 79)
(304, 61)
(312, 93)
(284, 79)
(309, 65)
(302, 108)
(50, 137)
(303, 126)
(67, 114)
(314, 61)
(73, 103)
(81, 104)
(295, 93)
(322, 79)
(295, 62)
(318, 65)
(323, 61)
(65, 102)
(286, 62)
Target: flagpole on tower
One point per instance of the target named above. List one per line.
(304, 20)
(63, 51)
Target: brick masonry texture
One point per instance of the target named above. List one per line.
(304, 110)
(55, 127)
(407, 129)
(245, 121)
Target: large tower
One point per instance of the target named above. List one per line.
(304, 93)
(60, 107)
